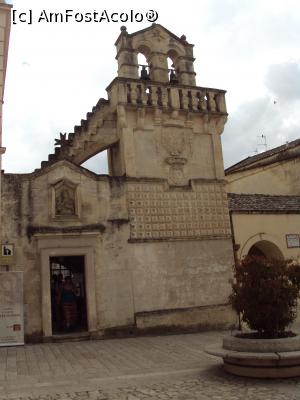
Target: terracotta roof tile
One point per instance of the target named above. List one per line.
(263, 203)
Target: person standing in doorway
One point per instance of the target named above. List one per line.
(69, 305)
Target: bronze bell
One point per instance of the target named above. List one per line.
(144, 73)
(173, 77)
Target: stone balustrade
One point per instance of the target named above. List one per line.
(145, 93)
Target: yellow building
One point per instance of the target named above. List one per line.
(264, 199)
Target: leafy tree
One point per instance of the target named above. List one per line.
(265, 293)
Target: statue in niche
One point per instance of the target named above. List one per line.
(65, 201)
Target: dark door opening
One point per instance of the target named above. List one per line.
(266, 249)
(68, 294)
(256, 251)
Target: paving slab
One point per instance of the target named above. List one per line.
(161, 367)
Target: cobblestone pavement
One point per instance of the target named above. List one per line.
(162, 368)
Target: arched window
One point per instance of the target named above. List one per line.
(173, 73)
(170, 63)
(144, 72)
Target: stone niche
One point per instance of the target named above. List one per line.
(64, 200)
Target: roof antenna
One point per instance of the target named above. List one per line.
(264, 142)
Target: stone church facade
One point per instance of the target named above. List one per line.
(149, 245)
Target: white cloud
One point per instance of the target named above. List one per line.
(57, 72)
(283, 80)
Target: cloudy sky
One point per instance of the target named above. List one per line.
(58, 71)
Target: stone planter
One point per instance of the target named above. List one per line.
(259, 358)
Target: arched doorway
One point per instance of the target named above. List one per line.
(266, 249)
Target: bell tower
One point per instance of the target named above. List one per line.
(168, 127)
(156, 44)
(157, 123)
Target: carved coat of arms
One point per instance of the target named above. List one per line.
(177, 143)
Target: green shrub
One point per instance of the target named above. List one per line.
(265, 293)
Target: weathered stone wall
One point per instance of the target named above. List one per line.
(16, 203)
(183, 267)
(162, 138)
(159, 212)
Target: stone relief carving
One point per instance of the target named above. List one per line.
(177, 143)
(159, 214)
(65, 200)
(176, 172)
(62, 141)
(157, 35)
